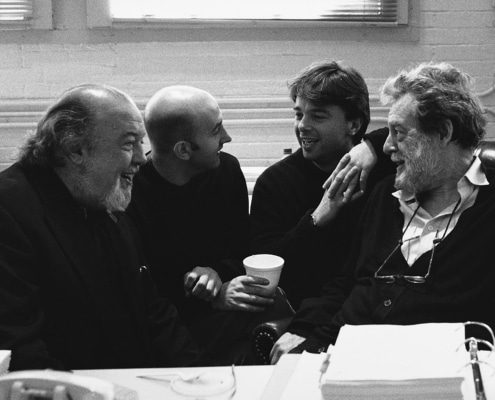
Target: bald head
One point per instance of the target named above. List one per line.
(176, 113)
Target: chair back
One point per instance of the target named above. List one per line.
(487, 152)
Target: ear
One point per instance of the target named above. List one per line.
(182, 150)
(446, 131)
(76, 154)
(354, 126)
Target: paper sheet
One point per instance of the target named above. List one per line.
(304, 382)
(4, 361)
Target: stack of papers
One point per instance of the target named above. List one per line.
(422, 361)
(4, 361)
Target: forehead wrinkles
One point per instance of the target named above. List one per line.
(407, 101)
(118, 123)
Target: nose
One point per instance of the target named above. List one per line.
(390, 144)
(225, 136)
(138, 156)
(302, 124)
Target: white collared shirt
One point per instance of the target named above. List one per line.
(423, 228)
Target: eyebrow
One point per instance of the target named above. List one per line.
(395, 121)
(316, 109)
(399, 127)
(136, 135)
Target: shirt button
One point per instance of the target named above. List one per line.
(387, 303)
(430, 228)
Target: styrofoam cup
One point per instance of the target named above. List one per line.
(267, 266)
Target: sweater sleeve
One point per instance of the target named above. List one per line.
(316, 318)
(377, 139)
(235, 231)
(384, 165)
(283, 200)
(277, 226)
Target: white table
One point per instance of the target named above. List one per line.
(251, 380)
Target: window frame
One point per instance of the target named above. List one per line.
(98, 16)
(42, 18)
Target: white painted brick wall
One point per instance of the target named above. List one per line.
(243, 63)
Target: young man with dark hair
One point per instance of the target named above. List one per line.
(290, 212)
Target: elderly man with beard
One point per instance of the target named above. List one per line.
(422, 253)
(74, 290)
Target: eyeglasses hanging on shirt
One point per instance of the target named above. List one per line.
(413, 278)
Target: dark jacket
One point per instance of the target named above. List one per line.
(73, 294)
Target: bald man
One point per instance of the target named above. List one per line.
(190, 203)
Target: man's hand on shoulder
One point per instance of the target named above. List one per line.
(362, 157)
(334, 198)
(203, 283)
(284, 344)
(244, 293)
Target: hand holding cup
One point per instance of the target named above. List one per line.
(267, 266)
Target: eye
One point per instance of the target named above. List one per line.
(396, 130)
(298, 116)
(320, 116)
(216, 131)
(129, 145)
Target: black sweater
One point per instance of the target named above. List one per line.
(461, 285)
(284, 197)
(203, 223)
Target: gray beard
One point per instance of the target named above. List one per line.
(116, 200)
(422, 171)
(416, 180)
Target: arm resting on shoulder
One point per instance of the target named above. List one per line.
(368, 157)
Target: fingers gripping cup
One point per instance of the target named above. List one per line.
(267, 266)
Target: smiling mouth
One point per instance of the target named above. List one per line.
(127, 178)
(399, 165)
(307, 141)
(396, 160)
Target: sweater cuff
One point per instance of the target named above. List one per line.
(309, 221)
(377, 138)
(310, 345)
(376, 142)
